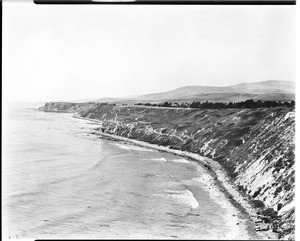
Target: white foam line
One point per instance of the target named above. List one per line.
(159, 159)
(194, 202)
(179, 160)
(171, 160)
(133, 148)
(183, 196)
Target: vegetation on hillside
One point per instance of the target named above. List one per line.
(248, 104)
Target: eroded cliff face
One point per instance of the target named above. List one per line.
(254, 146)
(66, 107)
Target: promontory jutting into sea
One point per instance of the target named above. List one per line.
(192, 163)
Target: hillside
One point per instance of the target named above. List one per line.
(234, 97)
(270, 87)
(265, 90)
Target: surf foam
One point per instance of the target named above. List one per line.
(182, 196)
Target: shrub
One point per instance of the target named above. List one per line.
(258, 204)
(256, 193)
(269, 212)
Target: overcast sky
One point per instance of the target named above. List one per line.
(64, 52)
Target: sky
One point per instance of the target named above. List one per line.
(69, 52)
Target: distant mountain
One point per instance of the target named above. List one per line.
(266, 87)
(264, 90)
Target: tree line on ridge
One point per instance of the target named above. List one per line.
(247, 104)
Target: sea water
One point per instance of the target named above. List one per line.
(62, 181)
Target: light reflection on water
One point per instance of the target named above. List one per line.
(61, 181)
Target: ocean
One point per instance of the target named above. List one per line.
(62, 181)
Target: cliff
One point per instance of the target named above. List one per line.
(66, 107)
(254, 146)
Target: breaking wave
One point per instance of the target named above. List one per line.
(182, 196)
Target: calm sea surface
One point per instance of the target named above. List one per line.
(60, 181)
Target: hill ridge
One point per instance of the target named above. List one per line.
(265, 90)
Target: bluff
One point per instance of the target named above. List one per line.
(254, 146)
(66, 107)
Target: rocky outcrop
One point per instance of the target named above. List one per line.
(254, 146)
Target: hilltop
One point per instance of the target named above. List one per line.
(264, 90)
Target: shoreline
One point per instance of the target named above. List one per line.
(217, 178)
